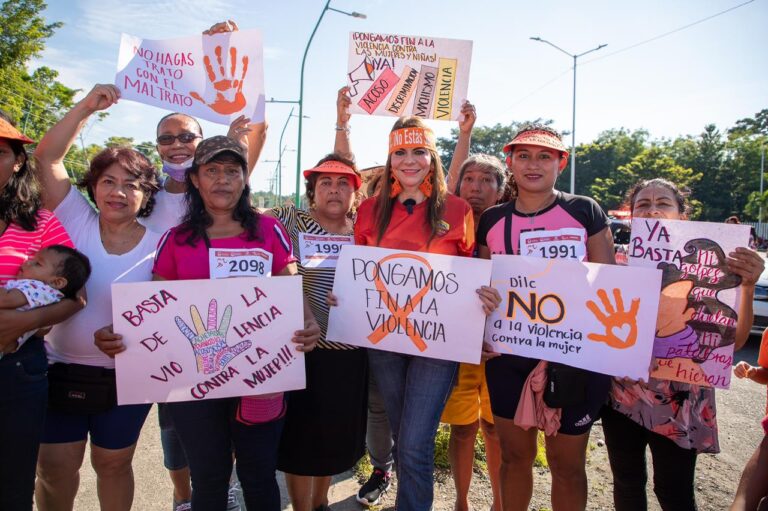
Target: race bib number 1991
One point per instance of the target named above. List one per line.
(247, 262)
(567, 243)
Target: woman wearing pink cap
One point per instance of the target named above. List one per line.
(324, 432)
(536, 157)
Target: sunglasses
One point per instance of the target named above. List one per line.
(184, 138)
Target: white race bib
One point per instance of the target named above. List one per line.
(321, 250)
(239, 262)
(567, 243)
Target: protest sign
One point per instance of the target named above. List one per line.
(409, 302)
(215, 77)
(399, 75)
(240, 345)
(598, 317)
(698, 307)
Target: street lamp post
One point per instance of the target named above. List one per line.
(280, 157)
(327, 7)
(573, 126)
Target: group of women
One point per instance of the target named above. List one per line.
(143, 229)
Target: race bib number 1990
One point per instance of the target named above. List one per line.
(246, 262)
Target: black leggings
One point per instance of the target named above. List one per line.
(673, 466)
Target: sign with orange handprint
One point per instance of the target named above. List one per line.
(207, 339)
(592, 316)
(620, 325)
(215, 77)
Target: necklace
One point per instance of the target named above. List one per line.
(119, 241)
(547, 202)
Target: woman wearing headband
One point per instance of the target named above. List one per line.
(536, 157)
(413, 211)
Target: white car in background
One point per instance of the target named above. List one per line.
(760, 304)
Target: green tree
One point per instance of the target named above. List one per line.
(651, 163)
(757, 204)
(36, 100)
(601, 158)
(485, 139)
(757, 125)
(23, 31)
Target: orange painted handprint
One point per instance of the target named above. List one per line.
(620, 325)
(225, 83)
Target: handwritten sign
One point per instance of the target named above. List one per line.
(215, 77)
(594, 316)
(698, 307)
(399, 75)
(205, 339)
(409, 302)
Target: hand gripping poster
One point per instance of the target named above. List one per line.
(699, 303)
(409, 302)
(189, 340)
(597, 317)
(399, 75)
(214, 77)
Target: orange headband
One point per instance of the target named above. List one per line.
(409, 138)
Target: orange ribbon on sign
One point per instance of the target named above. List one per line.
(401, 314)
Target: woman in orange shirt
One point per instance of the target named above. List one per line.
(413, 211)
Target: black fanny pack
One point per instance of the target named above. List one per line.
(81, 389)
(566, 386)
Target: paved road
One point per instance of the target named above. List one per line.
(739, 410)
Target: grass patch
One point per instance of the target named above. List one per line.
(541, 452)
(363, 469)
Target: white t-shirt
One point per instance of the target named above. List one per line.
(72, 340)
(168, 211)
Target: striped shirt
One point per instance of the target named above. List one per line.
(317, 282)
(18, 245)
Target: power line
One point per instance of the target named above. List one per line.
(627, 48)
(665, 34)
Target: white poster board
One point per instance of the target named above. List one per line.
(215, 77)
(699, 301)
(399, 75)
(409, 302)
(594, 316)
(205, 339)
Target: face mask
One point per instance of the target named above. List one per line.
(178, 171)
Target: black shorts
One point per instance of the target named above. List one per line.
(506, 376)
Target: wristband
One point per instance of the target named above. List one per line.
(342, 128)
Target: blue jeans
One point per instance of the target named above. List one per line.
(415, 390)
(23, 400)
(378, 437)
(209, 432)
